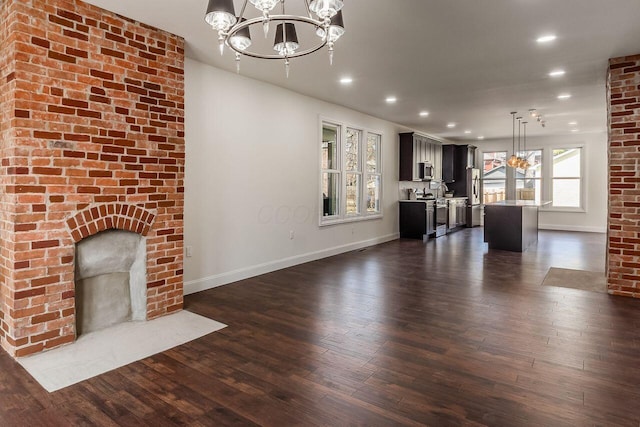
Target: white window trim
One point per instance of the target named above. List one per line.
(583, 180)
(342, 217)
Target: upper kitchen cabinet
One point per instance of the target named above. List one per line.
(455, 161)
(415, 151)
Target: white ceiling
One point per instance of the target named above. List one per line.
(465, 61)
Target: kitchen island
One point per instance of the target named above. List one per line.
(511, 225)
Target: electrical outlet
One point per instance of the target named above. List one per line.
(189, 251)
(291, 234)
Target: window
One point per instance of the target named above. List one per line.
(567, 178)
(353, 168)
(529, 181)
(351, 175)
(555, 174)
(330, 170)
(374, 177)
(494, 177)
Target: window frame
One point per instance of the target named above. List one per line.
(547, 176)
(358, 172)
(362, 215)
(583, 179)
(377, 173)
(338, 172)
(506, 176)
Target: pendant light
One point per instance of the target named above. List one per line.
(221, 16)
(240, 41)
(519, 159)
(336, 30)
(513, 160)
(325, 8)
(286, 42)
(524, 163)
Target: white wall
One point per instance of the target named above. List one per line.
(252, 176)
(594, 219)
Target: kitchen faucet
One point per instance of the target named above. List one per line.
(443, 188)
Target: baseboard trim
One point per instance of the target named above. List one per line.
(572, 228)
(198, 285)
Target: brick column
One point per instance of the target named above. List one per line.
(92, 110)
(623, 246)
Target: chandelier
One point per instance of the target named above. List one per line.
(323, 18)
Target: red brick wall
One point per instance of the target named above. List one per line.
(92, 121)
(623, 258)
(6, 200)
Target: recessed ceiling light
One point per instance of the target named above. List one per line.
(557, 73)
(481, 137)
(391, 99)
(564, 96)
(346, 80)
(424, 113)
(451, 125)
(467, 132)
(546, 38)
(573, 123)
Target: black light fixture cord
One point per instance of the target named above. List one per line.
(513, 133)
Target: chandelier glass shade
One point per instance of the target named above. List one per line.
(264, 5)
(325, 9)
(241, 40)
(336, 29)
(323, 18)
(220, 14)
(286, 42)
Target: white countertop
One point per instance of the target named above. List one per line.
(520, 203)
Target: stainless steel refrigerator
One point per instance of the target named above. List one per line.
(474, 200)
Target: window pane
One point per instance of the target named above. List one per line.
(566, 192)
(494, 174)
(373, 194)
(529, 189)
(493, 190)
(353, 193)
(330, 185)
(494, 165)
(534, 158)
(351, 150)
(566, 163)
(373, 145)
(330, 137)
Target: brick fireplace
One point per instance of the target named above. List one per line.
(91, 139)
(623, 246)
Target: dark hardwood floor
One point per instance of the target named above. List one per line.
(404, 333)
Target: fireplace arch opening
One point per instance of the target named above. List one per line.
(110, 280)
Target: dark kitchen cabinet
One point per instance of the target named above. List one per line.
(416, 149)
(448, 163)
(455, 161)
(417, 219)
